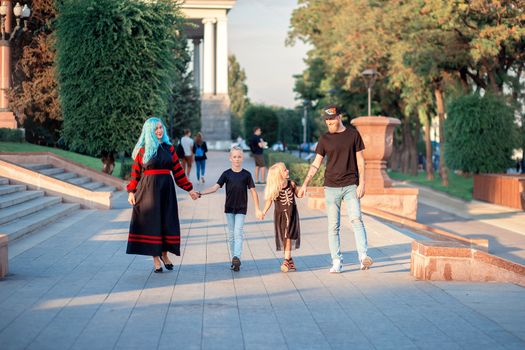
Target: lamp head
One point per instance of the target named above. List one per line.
(370, 76)
(3, 9)
(26, 11)
(17, 10)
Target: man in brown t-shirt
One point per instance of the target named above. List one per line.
(343, 180)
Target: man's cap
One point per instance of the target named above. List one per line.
(330, 111)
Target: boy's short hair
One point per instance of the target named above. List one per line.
(235, 148)
(186, 131)
(256, 128)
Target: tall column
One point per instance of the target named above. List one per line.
(7, 118)
(222, 55)
(209, 56)
(197, 63)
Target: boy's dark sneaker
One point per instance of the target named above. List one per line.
(236, 264)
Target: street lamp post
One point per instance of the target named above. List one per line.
(8, 34)
(370, 76)
(304, 121)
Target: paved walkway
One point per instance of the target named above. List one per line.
(73, 287)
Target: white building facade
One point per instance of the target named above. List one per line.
(208, 34)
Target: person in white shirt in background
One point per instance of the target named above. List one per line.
(187, 144)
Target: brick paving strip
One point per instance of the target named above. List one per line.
(71, 286)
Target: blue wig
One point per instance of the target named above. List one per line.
(149, 140)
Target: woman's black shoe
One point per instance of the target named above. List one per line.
(159, 270)
(167, 266)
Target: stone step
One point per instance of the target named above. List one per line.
(65, 176)
(15, 212)
(93, 185)
(79, 180)
(37, 167)
(4, 181)
(19, 197)
(26, 224)
(6, 189)
(36, 237)
(51, 171)
(106, 189)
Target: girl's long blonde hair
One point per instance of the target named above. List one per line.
(275, 180)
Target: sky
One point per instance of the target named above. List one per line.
(257, 31)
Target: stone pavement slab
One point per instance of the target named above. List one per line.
(75, 288)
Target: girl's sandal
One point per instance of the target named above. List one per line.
(285, 266)
(291, 265)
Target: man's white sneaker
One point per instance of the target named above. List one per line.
(337, 267)
(366, 262)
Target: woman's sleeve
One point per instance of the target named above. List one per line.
(136, 172)
(178, 173)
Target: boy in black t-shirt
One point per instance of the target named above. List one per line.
(344, 180)
(238, 181)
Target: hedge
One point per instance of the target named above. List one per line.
(298, 167)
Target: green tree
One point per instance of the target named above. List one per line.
(118, 61)
(481, 134)
(238, 92)
(34, 96)
(264, 117)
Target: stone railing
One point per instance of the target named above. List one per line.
(10, 169)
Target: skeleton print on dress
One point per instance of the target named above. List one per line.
(286, 217)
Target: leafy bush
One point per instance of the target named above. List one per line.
(125, 168)
(298, 167)
(118, 62)
(12, 135)
(480, 134)
(263, 117)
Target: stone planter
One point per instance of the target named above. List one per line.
(378, 136)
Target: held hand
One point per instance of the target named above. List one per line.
(360, 191)
(194, 195)
(260, 215)
(302, 192)
(131, 198)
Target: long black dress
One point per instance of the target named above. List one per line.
(286, 218)
(154, 226)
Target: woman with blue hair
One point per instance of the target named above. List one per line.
(154, 229)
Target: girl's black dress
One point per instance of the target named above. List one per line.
(286, 218)
(154, 226)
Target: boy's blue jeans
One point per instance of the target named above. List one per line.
(235, 233)
(201, 168)
(334, 196)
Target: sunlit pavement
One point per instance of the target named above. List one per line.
(71, 285)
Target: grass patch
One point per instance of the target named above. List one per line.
(88, 161)
(458, 186)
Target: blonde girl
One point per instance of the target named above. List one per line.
(281, 191)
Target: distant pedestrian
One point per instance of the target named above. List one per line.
(238, 181)
(281, 191)
(257, 145)
(154, 229)
(187, 145)
(344, 180)
(200, 148)
(518, 166)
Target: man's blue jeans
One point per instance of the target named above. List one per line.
(334, 196)
(201, 168)
(235, 233)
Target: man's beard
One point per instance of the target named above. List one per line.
(333, 128)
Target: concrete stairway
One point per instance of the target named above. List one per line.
(72, 178)
(23, 211)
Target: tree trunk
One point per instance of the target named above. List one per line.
(428, 148)
(408, 149)
(108, 162)
(443, 171)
